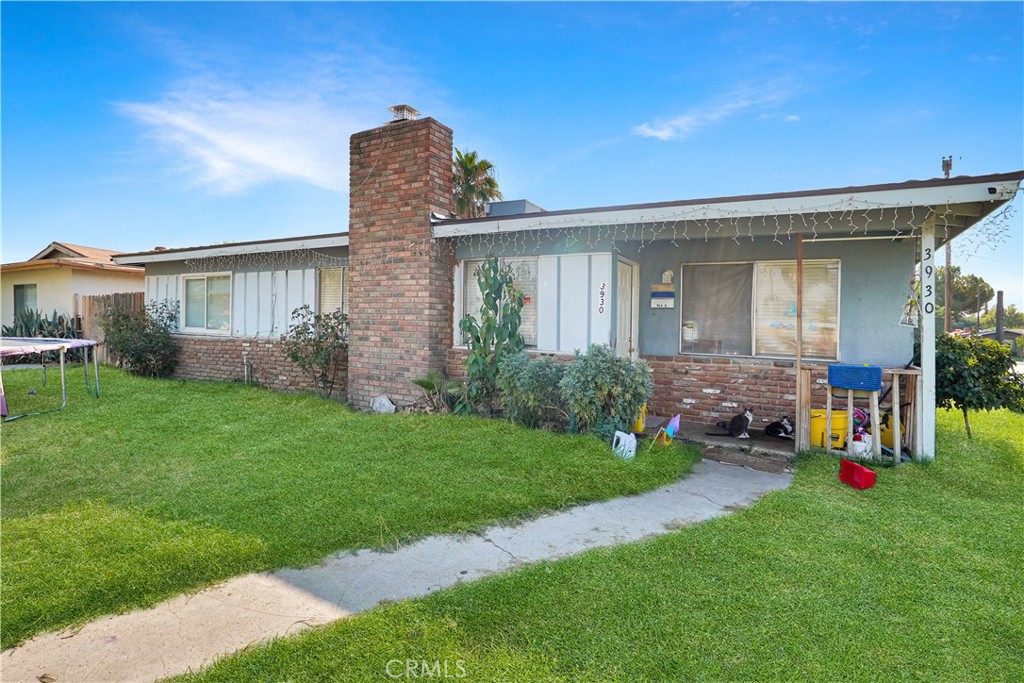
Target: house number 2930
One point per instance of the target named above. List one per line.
(600, 300)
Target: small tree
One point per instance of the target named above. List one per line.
(975, 374)
(314, 342)
(141, 340)
(495, 336)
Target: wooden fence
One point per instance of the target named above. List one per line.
(93, 307)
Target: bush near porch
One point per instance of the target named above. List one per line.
(163, 486)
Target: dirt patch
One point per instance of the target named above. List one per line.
(756, 461)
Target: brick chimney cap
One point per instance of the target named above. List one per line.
(403, 112)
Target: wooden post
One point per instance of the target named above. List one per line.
(803, 398)
(897, 438)
(927, 398)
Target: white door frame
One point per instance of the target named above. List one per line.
(634, 323)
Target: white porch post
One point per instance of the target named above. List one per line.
(927, 399)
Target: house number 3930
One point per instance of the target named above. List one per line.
(600, 300)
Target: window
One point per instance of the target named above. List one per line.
(334, 290)
(24, 299)
(208, 303)
(524, 274)
(749, 309)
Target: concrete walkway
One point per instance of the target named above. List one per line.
(190, 631)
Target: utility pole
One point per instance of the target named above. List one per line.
(947, 167)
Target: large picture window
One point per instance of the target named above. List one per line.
(208, 303)
(524, 274)
(749, 309)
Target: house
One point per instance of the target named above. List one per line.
(58, 277)
(235, 300)
(714, 293)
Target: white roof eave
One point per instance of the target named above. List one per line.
(940, 195)
(234, 249)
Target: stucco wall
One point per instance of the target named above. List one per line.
(873, 287)
(53, 291)
(91, 282)
(874, 278)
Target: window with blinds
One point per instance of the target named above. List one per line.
(524, 276)
(775, 309)
(749, 309)
(333, 288)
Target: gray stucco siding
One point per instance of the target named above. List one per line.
(874, 285)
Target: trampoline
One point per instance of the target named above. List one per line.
(11, 347)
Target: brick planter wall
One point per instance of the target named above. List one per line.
(705, 389)
(400, 279)
(222, 358)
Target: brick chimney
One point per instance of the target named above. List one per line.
(400, 280)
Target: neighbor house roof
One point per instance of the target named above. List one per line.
(233, 248)
(968, 199)
(74, 256)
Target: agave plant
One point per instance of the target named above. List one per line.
(32, 323)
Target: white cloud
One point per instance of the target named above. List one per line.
(740, 99)
(791, 118)
(228, 129)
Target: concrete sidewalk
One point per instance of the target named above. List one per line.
(190, 631)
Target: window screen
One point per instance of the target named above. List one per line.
(775, 309)
(524, 274)
(208, 302)
(24, 298)
(195, 303)
(471, 297)
(716, 312)
(333, 289)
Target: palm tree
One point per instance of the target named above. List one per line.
(475, 183)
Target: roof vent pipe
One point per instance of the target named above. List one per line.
(403, 112)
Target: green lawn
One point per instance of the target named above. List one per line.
(919, 578)
(163, 486)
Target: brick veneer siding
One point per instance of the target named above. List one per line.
(223, 358)
(400, 279)
(706, 389)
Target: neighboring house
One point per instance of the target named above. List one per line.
(59, 276)
(703, 289)
(235, 300)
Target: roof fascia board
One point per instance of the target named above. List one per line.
(72, 264)
(938, 195)
(233, 249)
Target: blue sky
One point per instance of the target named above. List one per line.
(128, 125)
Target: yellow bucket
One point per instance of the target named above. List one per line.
(885, 427)
(839, 427)
(641, 420)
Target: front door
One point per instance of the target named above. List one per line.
(627, 308)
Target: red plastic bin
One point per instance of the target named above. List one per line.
(856, 475)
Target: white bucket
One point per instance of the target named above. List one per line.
(624, 445)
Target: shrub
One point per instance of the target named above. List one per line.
(529, 390)
(602, 392)
(975, 374)
(141, 340)
(314, 342)
(495, 336)
(439, 391)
